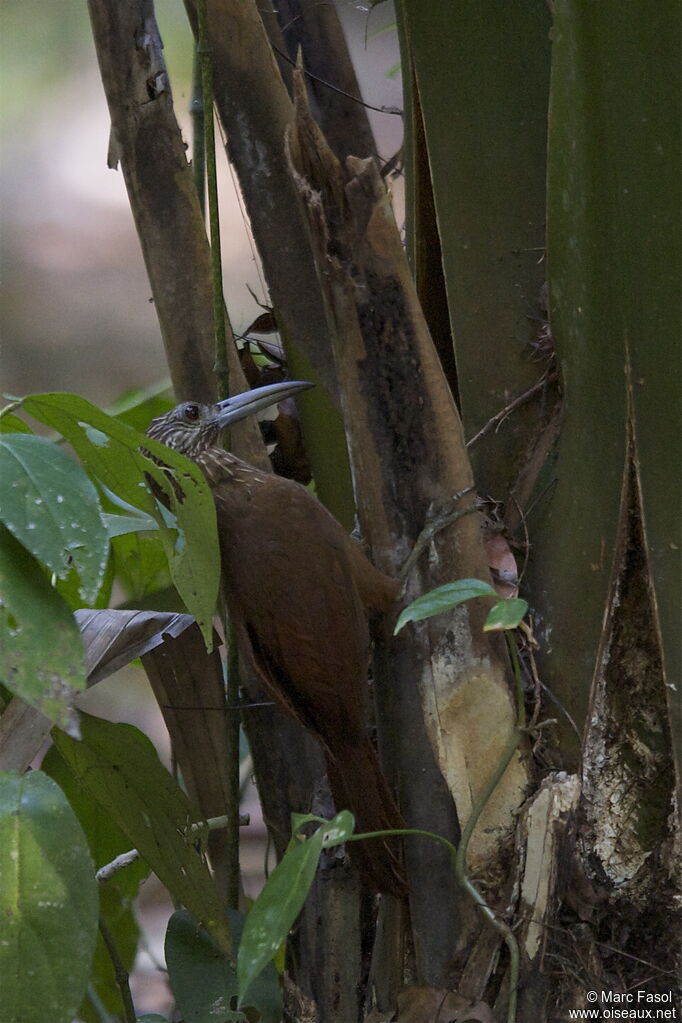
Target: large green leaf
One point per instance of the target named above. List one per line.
(49, 902)
(119, 766)
(111, 451)
(614, 267)
(204, 982)
(477, 72)
(105, 841)
(41, 653)
(53, 508)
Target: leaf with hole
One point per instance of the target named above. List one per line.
(506, 614)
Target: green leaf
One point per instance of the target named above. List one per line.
(69, 588)
(443, 598)
(506, 614)
(49, 900)
(111, 450)
(204, 982)
(138, 407)
(334, 832)
(282, 898)
(106, 840)
(108, 449)
(119, 766)
(276, 908)
(52, 507)
(151, 1017)
(41, 652)
(141, 563)
(119, 917)
(119, 525)
(338, 830)
(10, 423)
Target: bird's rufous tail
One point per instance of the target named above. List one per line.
(358, 784)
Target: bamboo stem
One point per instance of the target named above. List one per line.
(203, 53)
(197, 113)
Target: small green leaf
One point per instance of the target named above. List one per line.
(276, 908)
(335, 831)
(506, 614)
(299, 819)
(120, 768)
(204, 982)
(119, 525)
(443, 598)
(52, 507)
(48, 902)
(41, 652)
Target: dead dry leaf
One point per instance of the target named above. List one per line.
(437, 1005)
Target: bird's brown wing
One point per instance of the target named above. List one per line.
(291, 586)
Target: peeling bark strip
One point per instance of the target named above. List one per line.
(545, 843)
(408, 458)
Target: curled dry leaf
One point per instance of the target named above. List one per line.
(265, 323)
(113, 638)
(502, 564)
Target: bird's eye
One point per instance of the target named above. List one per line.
(191, 413)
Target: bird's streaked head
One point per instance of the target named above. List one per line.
(191, 427)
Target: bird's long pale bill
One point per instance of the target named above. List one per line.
(231, 410)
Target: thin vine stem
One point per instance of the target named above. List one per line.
(121, 974)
